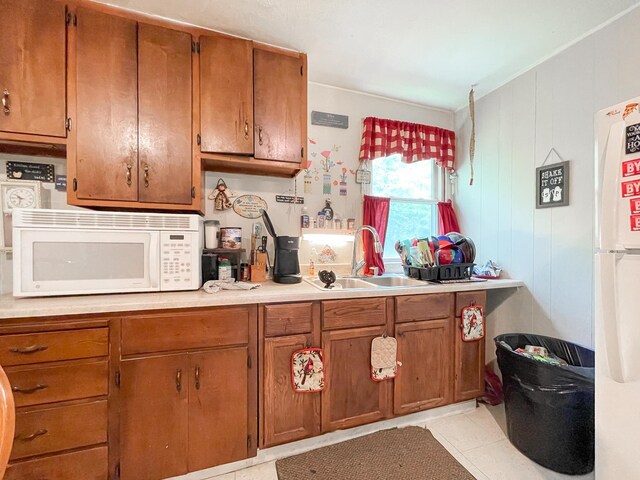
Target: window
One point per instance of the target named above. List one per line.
(414, 190)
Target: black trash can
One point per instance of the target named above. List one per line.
(549, 408)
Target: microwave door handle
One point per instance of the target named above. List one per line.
(154, 258)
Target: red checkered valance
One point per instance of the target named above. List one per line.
(415, 142)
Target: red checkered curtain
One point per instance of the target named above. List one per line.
(415, 142)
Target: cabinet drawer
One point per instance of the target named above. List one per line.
(91, 464)
(287, 319)
(30, 348)
(353, 313)
(47, 384)
(61, 428)
(417, 308)
(185, 330)
(465, 299)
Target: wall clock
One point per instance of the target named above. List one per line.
(16, 194)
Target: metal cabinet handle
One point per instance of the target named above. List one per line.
(179, 380)
(34, 435)
(6, 108)
(35, 388)
(197, 378)
(129, 167)
(27, 350)
(246, 129)
(146, 175)
(260, 135)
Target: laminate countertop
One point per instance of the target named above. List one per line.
(268, 292)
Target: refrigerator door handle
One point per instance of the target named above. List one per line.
(609, 295)
(609, 196)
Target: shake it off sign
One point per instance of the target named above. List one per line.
(552, 185)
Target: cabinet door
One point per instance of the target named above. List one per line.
(107, 107)
(279, 106)
(218, 407)
(226, 95)
(424, 379)
(164, 96)
(32, 67)
(288, 415)
(351, 398)
(154, 417)
(469, 356)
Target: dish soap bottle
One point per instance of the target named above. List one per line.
(224, 269)
(312, 268)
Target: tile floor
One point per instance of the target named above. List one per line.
(476, 439)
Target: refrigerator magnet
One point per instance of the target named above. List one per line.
(635, 223)
(630, 188)
(635, 206)
(631, 168)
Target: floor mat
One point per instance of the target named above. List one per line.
(409, 453)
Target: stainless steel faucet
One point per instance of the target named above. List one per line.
(355, 265)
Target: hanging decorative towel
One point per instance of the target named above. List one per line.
(472, 323)
(307, 370)
(383, 358)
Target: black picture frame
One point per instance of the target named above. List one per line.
(552, 185)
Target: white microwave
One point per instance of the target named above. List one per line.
(75, 252)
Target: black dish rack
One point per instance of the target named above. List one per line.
(454, 271)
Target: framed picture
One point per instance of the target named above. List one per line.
(552, 185)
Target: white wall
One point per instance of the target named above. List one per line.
(552, 105)
(344, 146)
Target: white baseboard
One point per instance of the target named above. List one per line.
(301, 446)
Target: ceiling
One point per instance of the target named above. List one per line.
(422, 51)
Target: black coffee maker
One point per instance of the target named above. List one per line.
(286, 268)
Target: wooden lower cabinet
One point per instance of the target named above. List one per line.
(154, 417)
(351, 398)
(469, 357)
(424, 379)
(288, 415)
(90, 464)
(218, 407)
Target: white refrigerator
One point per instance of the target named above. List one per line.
(617, 292)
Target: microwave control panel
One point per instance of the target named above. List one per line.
(178, 269)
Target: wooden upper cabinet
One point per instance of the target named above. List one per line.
(226, 95)
(107, 107)
(32, 67)
(164, 96)
(280, 106)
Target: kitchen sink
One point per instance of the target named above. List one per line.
(345, 283)
(395, 281)
(353, 283)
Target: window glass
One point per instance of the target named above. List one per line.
(412, 188)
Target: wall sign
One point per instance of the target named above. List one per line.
(61, 183)
(289, 199)
(249, 206)
(552, 185)
(30, 171)
(632, 144)
(332, 120)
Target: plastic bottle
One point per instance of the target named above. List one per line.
(224, 269)
(304, 218)
(320, 220)
(312, 268)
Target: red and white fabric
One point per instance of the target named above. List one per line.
(415, 142)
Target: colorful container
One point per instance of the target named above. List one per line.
(231, 237)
